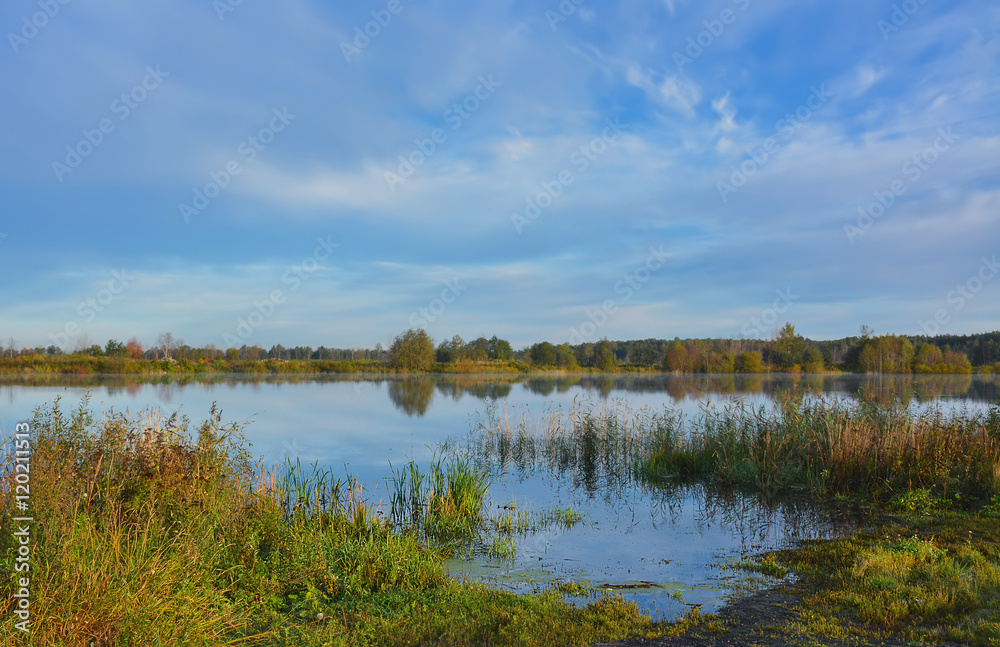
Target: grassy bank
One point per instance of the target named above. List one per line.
(89, 365)
(149, 531)
(84, 364)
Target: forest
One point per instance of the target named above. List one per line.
(415, 351)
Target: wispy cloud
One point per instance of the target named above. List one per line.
(327, 175)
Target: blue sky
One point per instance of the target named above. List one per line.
(270, 173)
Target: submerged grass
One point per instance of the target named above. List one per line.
(149, 531)
(595, 447)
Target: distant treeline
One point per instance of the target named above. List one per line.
(416, 351)
(790, 352)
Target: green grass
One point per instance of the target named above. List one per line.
(151, 531)
(922, 578)
(444, 505)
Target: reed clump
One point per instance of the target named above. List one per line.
(593, 445)
(836, 447)
(444, 504)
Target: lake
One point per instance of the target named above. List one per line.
(649, 543)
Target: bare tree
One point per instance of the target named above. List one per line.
(167, 344)
(81, 345)
(11, 344)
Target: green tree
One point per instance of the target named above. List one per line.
(752, 362)
(676, 359)
(543, 354)
(812, 361)
(928, 357)
(500, 349)
(412, 351)
(565, 356)
(604, 356)
(450, 350)
(886, 354)
(789, 348)
(115, 348)
(478, 350)
(956, 361)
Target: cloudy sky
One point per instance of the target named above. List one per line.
(308, 172)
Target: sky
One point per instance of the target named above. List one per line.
(318, 173)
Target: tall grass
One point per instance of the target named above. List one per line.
(151, 531)
(835, 447)
(444, 504)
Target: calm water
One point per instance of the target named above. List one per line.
(631, 535)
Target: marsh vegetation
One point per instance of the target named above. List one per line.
(151, 528)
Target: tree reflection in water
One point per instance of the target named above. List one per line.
(413, 395)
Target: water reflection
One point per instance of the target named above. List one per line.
(662, 540)
(414, 395)
(648, 541)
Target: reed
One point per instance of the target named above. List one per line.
(836, 447)
(444, 504)
(594, 445)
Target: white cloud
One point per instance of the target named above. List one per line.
(867, 77)
(726, 112)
